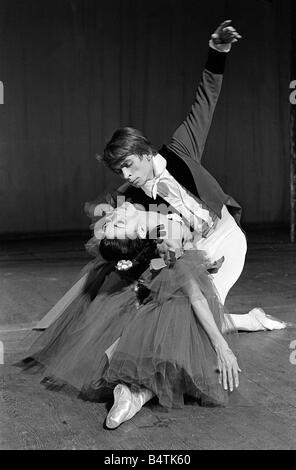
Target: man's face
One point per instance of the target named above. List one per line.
(136, 170)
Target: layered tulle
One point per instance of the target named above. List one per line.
(160, 344)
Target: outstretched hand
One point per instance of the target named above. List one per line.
(225, 34)
(228, 367)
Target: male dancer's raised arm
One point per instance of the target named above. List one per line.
(190, 137)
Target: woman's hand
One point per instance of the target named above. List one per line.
(228, 366)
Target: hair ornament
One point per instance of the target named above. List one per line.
(124, 265)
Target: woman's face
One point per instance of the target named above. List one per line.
(123, 223)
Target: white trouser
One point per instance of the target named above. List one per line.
(229, 241)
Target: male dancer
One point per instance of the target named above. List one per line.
(175, 177)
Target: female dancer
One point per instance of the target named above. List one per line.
(163, 335)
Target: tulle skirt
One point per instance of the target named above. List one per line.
(159, 344)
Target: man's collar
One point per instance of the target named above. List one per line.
(159, 165)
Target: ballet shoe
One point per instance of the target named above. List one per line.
(126, 405)
(138, 400)
(262, 321)
(121, 407)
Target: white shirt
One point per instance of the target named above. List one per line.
(194, 212)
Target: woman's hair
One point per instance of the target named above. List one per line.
(124, 142)
(139, 251)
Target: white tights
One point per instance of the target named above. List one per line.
(228, 241)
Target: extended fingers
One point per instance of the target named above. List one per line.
(236, 377)
(224, 377)
(234, 371)
(226, 33)
(229, 375)
(228, 369)
(224, 24)
(229, 33)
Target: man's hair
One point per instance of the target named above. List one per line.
(124, 142)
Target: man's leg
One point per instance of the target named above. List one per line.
(226, 241)
(229, 241)
(233, 247)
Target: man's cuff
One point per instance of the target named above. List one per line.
(220, 47)
(216, 61)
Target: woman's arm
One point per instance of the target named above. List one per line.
(227, 362)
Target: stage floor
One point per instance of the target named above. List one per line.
(34, 274)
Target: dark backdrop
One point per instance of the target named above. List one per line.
(74, 70)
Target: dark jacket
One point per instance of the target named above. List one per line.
(184, 152)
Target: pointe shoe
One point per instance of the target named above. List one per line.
(126, 405)
(264, 321)
(121, 407)
(138, 400)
